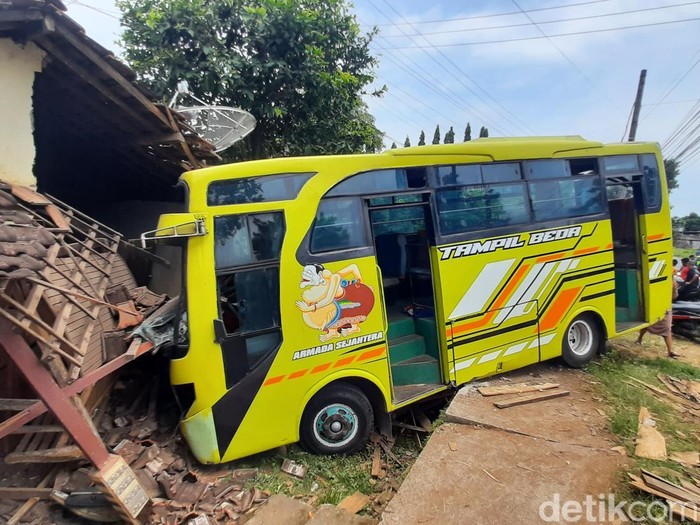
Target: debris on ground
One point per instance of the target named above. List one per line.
(354, 503)
(522, 393)
(519, 388)
(681, 395)
(650, 443)
(684, 501)
(294, 469)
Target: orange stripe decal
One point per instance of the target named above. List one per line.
(274, 380)
(298, 373)
(500, 300)
(559, 309)
(321, 368)
(656, 237)
(585, 251)
(369, 354)
(609, 247)
(344, 361)
(552, 257)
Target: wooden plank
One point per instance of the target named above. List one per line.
(54, 455)
(57, 217)
(25, 492)
(671, 489)
(354, 503)
(24, 509)
(530, 398)
(377, 461)
(16, 405)
(518, 388)
(36, 429)
(28, 195)
(423, 420)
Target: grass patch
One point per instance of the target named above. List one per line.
(329, 479)
(624, 399)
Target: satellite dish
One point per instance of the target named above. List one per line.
(221, 126)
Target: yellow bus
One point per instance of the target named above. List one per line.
(324, 293)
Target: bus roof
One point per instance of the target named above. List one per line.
(494, 148)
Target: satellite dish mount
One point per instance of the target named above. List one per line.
(221, 126)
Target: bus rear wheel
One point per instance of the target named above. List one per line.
(581, 341)
(337, 420)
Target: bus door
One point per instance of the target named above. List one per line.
(625, 194)
(402, 232)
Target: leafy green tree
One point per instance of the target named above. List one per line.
(421, 139)
(299, 67)
(671, 167)
(483, 132)
(691, 223)
(450, 136)
(407, 142)
(436, 135)
(393, 145)
(468, 132)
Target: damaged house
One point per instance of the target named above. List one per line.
(84, 154)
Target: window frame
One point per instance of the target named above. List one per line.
(310, 175)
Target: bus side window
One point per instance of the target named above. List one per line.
(339, 225)
(652, 183)
(247, 252)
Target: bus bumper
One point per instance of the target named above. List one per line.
(200, 434)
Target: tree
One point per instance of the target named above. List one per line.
(393, 145)
(407, 142)
(691, 223)
(421, 139)
(483, 132)
(450, 136)
(671, 167)
(468, 132)
(436, 136)
(299, 67)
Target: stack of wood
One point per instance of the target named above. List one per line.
(682, 395)
(522, 393)
(683, 500)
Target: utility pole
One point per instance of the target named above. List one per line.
(637, 105)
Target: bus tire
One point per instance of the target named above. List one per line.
(581, 341)
(337, 420)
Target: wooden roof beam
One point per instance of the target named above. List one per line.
(104, 66)
(92, 80)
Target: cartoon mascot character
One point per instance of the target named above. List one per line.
(335, 303)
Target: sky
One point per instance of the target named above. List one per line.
(523, 68)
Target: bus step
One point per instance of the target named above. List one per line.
(406, 347)
(421, 369)
(400, 327)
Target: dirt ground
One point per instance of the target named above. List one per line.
(653, 346)
(490, 465)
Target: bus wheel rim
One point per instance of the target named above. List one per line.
(335, 425)
(580, 338)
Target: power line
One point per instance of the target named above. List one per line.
(561, 52)
(559, 21)
(97, 9)
(677, 82)
(406, 67)
(451, 72)
(493, 15)
(574, 33)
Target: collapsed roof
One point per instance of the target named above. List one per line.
(99, 137)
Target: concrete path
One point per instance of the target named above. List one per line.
(488, 465)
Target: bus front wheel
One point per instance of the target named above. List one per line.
(581, 341)
(337, 420)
